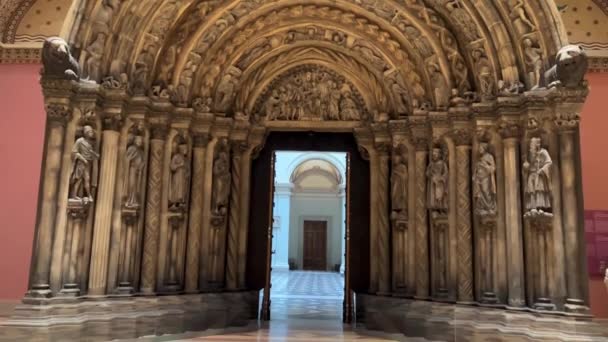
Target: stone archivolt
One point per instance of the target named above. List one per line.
(205, 81)
(184, 35)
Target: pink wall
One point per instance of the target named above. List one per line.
(594, 136)
(594, 139)
(22, 121)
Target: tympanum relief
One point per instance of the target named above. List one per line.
(312, 94)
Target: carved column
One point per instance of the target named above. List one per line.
(200, 141)
(421, 219)
(153, 209)
(58, 115)
(104, 202)
(381, 200)
(576, 279)
(232, 267)
(462, 139)
(510, 132)
(244, 221)
(400, 241)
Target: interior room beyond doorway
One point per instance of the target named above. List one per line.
(308, 235)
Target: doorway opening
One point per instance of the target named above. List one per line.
(308, 235)
(308, 210)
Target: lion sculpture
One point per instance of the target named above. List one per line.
(569, 69)
(57, 60)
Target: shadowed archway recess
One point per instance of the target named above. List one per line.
(466, 112)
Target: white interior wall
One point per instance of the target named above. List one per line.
(292, 206)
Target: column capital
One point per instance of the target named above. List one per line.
(567, 122)
(421, 143)
(509, 129)
(200, 139)
(159, 131)
(58, 113)
(462, 136)
(112, 121)
(239, 146)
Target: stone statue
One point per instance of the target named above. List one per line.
(484, 74)
(399, 182)
(437, 180)
(144, 62)
(272, 106)
(534, 62)
(348, 108)
(83, 155)
(57, 60)
(135, 167)
(178, 185)
(441, 90)
(519, 16)
(221, 180)
(570, 68)
(225, 93)
(537, 173)
(95, 52)
(484, 182)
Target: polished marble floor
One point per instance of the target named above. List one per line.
(306, 295)
(305, 306)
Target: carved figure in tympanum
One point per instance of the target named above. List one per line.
(537, 175)
(84, 154)
(484, 182)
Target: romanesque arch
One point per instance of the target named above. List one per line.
(153, 125)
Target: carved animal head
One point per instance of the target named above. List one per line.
(570, 67)
(57, 60)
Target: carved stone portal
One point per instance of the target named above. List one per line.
(153, 210)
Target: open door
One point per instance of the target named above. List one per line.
(259, 248)
(265, 311)
(347, 309)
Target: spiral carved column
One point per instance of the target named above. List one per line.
(232, 266)
(153, 209)
(382, 202)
